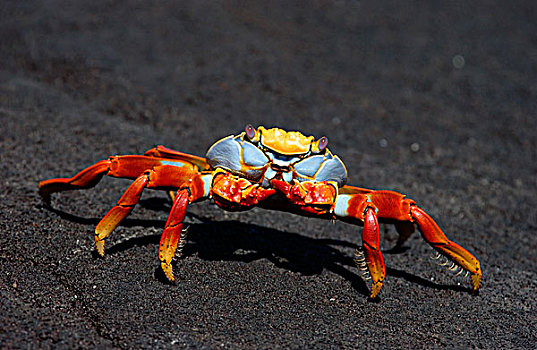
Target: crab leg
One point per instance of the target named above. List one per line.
(161, 177)
(366, 206)
(130, 167)
(439, 241)
(123, 208)
(87, 178)
(359, 206)
(148, 172)
(195, 189)
(318, 198)
(172, 233)
(373, 255)
(164, 152)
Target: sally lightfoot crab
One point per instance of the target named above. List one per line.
(269, 168)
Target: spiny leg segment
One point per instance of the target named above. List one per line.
(195, 189)
(120, 211)
(453, 251)
(367, 206)
(373, 255)
(172, 233)
(148, 172)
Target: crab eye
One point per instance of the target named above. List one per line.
(323, 142)
(250, 131)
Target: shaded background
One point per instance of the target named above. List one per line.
(436, 100)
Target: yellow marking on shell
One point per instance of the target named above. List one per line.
(285, 142)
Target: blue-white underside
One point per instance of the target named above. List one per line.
(245, 159)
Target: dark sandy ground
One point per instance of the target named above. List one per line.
(433, 99)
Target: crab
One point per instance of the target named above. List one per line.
(269, 168)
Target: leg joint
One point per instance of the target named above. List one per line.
(187, 188)
(367, 207)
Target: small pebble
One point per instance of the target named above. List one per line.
(458, 61)
(383, 143)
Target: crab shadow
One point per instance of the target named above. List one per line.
(245, 242)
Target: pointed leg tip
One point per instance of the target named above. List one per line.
(99, 247)
(167, 269)
(476, 282)
(375, 290)
(374, 297)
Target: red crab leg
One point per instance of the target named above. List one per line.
(359, 206)
(130, 166)
(172, 233)
(160, 177)
(123, 208)
(164, 152)
(87, 178)
(198, 187)
(373, 255)
(318, 198)
(439, 241)
(150, 172)
(390, 205)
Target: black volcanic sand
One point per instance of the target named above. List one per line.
(436, 100)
